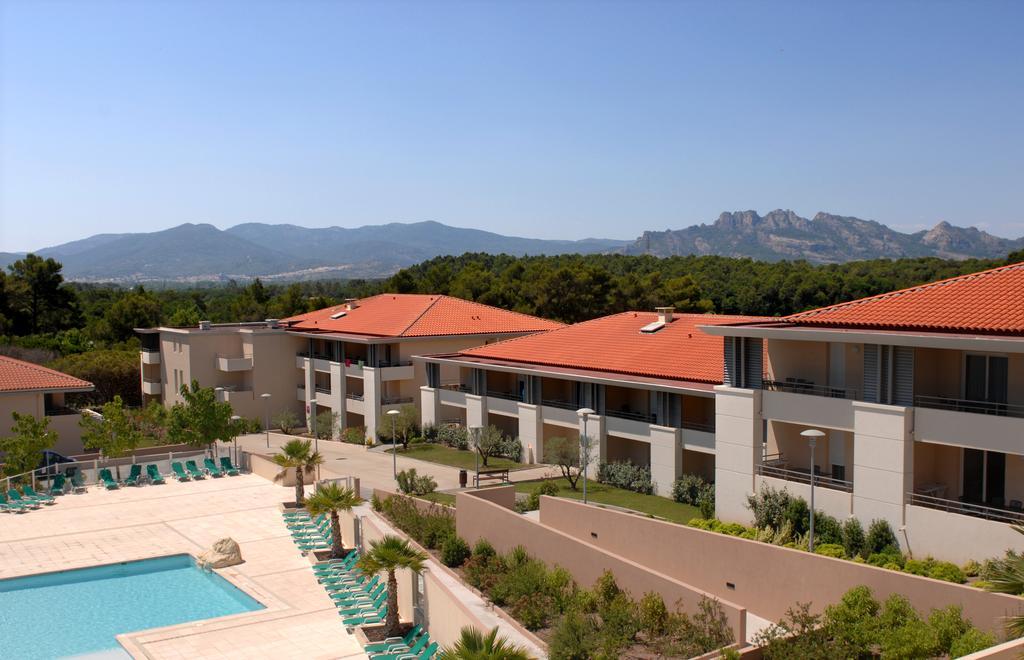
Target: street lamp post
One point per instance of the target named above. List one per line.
(584, 414)
(812, 436)
(393, 413)
(312, 429)
(475, 434)
(266, 415)
(234, 420)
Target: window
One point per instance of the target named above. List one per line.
(984, 477)
(985, 378)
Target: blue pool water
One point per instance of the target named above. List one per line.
(78, 612)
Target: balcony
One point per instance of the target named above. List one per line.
(231, 395)
(972, 424)
(150, 355)
(322, 389)
(802, 402)
(457, 387)
(452, 397)
(320, 361)
(300, 392)
(353, 396)
(1013, 514)
(801, 386)
(635, 416)
(241, 363)
(803, 476)
(151, 387)
(397, 371)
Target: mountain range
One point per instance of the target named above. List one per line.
(202, 252)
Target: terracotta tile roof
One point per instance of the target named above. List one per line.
(679, 351)
(415, 315)
(991, 301)
(20, 376)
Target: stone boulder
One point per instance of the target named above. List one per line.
(224, 552)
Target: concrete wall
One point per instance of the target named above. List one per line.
(263, 466)
(955, 537)
(765, 579)
(69, 434)
(738, 447)
(477, 518)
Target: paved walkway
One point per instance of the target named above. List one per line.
(374, 468)
(102, 527)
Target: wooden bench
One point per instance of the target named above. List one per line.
(500, 474)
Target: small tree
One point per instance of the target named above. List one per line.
(326, 423)
(115, 434)
(475, 645)
(23, 449)
(152, 422)
(330, 499)
(489, 442)
(298, 454)
(564, 453)
(387, 556)
(201, 419)
(406, 424)
(286, 420)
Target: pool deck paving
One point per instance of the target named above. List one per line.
(103, 527)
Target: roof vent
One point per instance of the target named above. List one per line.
(272, 323)
(665, 313)
(205, 325)
(337, 315)
(351, 303)
(652, 327)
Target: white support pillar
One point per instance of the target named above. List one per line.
(531, 432)
(430, 406)
(371, 401)
(739, 436)
(310, 378)
(476, 410)
(666, 458)
(337, 397)
(883, 459)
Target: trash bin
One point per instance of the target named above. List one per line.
(463, 478)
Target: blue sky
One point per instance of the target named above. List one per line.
(548, 119)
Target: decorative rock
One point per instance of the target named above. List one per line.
(224, 552)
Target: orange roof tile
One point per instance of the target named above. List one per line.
(991, 301)
(415, 315)
(20, 376)
(679, 351)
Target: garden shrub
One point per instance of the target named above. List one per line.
(411, 483)
(606, 588)
(918, 566)
(948, 625)
(619, 624)
(626, 475)
(510, 447)
(826, 529)
(830, 550)
(653, 614)
(573, 638)
(950, 572)
(429, 433)
(972, 641)
(971, 568)
(732, 529)
(354, 435)
(454, 551)
(853, 537)
(706, 502)
(547, 487)
(881, 538)
(428, 528)
(483, 548)
(798, 515)
(686, 488)
(769, 507)
(453, 436)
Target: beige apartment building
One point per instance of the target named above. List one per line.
(648, 377)
(31, 389)
(920, 394)
(354, 359)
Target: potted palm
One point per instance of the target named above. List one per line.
(387, 556)
(297, 455)
(474, 645)
(330, 499)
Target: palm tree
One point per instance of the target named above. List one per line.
(296, 454)
(474, 645)
(332, 498)
(1007, 577)
(388, 555)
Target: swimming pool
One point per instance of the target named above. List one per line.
(78, 612)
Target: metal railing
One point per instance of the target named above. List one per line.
(966, 405)
(457, 387)
(558, 403)
(395, 400)
(629, 414)
(801, 386)
(56, 411)
(511, 396)
(1015, 516)
(323, 389)
(799, 476)
(353, 396)
(707, 427)
(400, 363)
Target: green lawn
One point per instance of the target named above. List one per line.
(456, 458)
(661, 507)
(439, 498)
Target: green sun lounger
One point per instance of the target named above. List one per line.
(412, 651)
(14, 496)
(212, 468)
(395, 644)
(194, 471)
(57, 485)
(179, 472)
(227, 467)
(364, 619)
(29, 492)
(154, 474)
(108, 479)
(12, 507)
(134, 475)
(78, 481)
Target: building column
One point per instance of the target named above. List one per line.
(371, 401)
(476, 410)
(883, 460)
(739, 438)
(666, 458)
(310, 380)
(338, 397)
(430, 406)
(531, 433)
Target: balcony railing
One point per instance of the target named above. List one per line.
(1013, 515)
(804, 477)
(511, 396)
(559, 403)
(707, 427)
(801, 386)
(323, 389)
(395, 400)
(56, 411)
(965, 405)
(629, 414)
(354, 396)
(457, 387)
(400, 363)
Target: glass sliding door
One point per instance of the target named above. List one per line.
(984, 477)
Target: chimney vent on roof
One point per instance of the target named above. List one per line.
(351, 303)
(205, 325)
(272, 323)
(665, 313)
